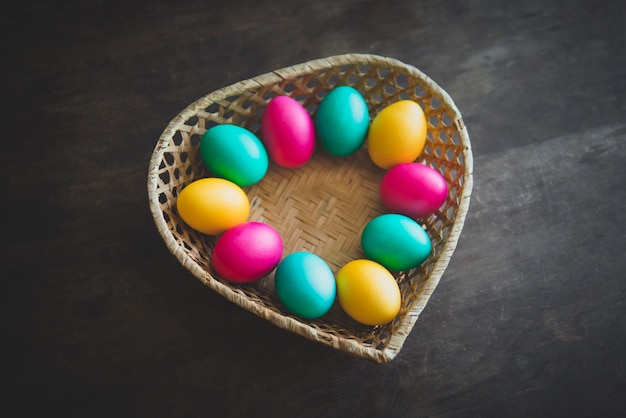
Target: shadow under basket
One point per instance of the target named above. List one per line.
(323, 206)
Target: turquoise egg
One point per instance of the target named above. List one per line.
(305, 285)
(234, 153)
(395, 241)
(342, 121)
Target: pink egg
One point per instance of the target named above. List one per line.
(413, 189)
(288, 132)
(247, 252)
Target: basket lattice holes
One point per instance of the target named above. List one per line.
(322, 206)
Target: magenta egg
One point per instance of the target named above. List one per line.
(413, 189)
(288, 132)
(247, 252)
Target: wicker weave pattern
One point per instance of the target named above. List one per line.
(322, 206)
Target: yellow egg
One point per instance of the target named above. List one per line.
(368, 292)
(213, 205)
(397, 134)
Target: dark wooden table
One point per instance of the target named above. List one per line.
(100, 320)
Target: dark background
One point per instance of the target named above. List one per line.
(99, 319)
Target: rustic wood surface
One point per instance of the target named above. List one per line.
(100, 320)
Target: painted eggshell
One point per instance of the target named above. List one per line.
(395, 241)
(287, 131)
(397, 134)
(247, 252)
(342, 121)
(305, 285)
(234, 153)
(213, 205)
(413, 189)
(368, 292)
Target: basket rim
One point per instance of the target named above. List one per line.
(289, 323)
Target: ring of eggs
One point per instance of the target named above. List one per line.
(304, 283)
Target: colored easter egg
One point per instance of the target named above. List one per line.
(342, 121)
(395, 241)
(397, 134)
(288, 132)
(234, 153)
(213, 205)
(368, 292)
(305, 285)
(247, 252)
(413, 189)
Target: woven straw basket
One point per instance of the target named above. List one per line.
(322, 206)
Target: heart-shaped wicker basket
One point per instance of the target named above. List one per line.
(322, 206)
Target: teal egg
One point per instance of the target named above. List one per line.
(305, 285)
(234, 153)
(395, 241)
(342, 121)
